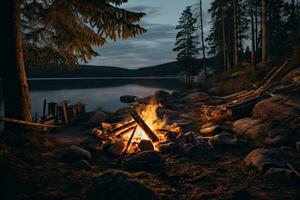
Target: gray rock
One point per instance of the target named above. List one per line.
(82, 165)
(115, 184)
(225, 139)
(76, 153)
(280, 174)
(116, 149)
(263, 159)
(128, 99)
(168, 147)
(145, 145)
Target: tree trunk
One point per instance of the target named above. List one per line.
(235, 40)
(256, 25)
(224, 38)
(203, 44)
(15, 86)
(264, 31)
(253, 53)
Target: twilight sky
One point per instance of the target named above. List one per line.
(155, 46)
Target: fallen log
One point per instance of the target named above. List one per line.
(121, 129)
(27, 123)
(143, 126)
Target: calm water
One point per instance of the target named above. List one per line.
(101, 93)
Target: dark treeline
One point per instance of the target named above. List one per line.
(252, 31)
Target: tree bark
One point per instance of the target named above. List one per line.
(203, 44)
(235, 40)
(224, 39)
(264, 31)
(15, 87)
(253, 53)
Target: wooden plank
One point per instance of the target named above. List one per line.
(26, 123)
(143, 126)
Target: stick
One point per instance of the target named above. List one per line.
(293, 169)
(26, 123)
(121, 128)
(126, 131)
(143, 126)
(128, 144)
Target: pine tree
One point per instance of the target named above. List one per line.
(54, 31)
(186, 42)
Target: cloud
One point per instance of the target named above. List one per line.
(154, 47)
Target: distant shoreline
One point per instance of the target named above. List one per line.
(104, 78)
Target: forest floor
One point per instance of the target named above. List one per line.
(250, 157)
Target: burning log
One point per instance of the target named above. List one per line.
(125, 131)
(128, 145)
(144, 126)
(121, 129)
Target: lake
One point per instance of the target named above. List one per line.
(96, 93)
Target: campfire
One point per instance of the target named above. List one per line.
(141, 129)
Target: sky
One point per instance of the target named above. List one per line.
(155, 46)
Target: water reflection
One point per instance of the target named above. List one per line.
(96, 93)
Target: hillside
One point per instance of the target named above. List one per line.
(167, 69)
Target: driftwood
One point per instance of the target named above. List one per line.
(121, 129)
(143, 126)
(27, 123)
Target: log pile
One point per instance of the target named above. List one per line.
(239, 104)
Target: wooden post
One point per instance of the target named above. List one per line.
(144, 126)
(51, 108)
(44, 108)
(65, 112)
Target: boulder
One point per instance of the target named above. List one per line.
(222, 140)
(76, 153)
(115, 184)
(279, 174)
(292, 77)
(277, 106)
(264, 132)
(146, 145)
(82, 165)
(116, 149)
(263, 159)
(242, 125)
